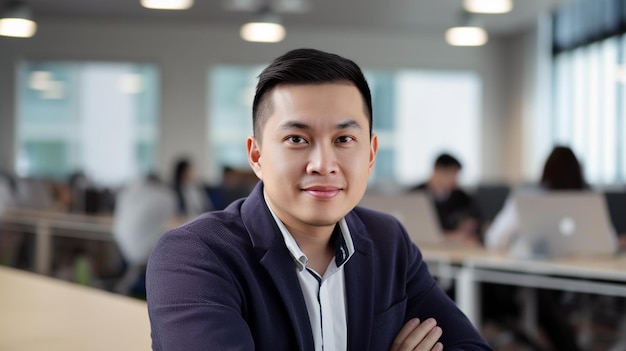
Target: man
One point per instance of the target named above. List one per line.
(295, 266)
(459, 215)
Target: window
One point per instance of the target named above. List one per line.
(428, 104)
(412, 118)
(96, 117)
(589, 77)
(230, 112)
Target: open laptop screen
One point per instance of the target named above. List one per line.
(414, 210)
(563, 223)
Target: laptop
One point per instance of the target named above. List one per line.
(414, 210)
(563, 223)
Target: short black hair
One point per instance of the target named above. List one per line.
(446, 160)
(306, 66)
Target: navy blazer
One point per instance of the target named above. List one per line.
(226, 281)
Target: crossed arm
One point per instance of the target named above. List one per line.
(418, 336)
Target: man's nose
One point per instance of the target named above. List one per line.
(322, 160)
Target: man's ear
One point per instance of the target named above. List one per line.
(373, 151)
(254, 155)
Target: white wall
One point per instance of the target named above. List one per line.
(184, 54)
(528, 78)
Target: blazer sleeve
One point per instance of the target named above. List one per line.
(426, 299)
(193, 300)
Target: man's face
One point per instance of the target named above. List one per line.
(447, 178)
(314, 155)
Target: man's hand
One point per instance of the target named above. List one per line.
(416, 336)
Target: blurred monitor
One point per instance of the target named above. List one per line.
(414, 210)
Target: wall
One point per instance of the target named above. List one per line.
(527, 101)
(186, 52)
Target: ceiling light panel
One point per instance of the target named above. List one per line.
(488, 6)
(167, 4)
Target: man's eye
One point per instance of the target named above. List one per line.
(296, 139)
(345, 139)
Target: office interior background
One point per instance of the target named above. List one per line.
(117, 91)
(193, 75)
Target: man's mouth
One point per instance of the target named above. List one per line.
(322, 191)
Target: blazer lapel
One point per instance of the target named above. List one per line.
(275, 258)
(280, 267)
(359, 272)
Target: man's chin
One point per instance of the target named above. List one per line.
(323, 221)
(322, 216)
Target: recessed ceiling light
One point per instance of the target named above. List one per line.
(266, 29)
(488, 6)
(167, 4)
(262, 32)
(17, 21)
(466, 36)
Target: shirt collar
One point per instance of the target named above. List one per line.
(342, 240)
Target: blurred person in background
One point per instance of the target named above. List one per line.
(143, 211)
(78, 184)
(459, 216)
(8, 239)
(192, 198)
(7, 189)
(561, 171)
(62, 196)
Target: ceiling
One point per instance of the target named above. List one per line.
(390, 15)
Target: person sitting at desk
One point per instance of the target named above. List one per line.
(9, 241)
(458, 214)
(6, 192)
(297, 265)
(143, 211)
(561, 171)
(192, 199)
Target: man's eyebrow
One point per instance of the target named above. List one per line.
(293, 125)
(349, 124)
(300, 125)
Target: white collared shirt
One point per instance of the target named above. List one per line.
(325, 297)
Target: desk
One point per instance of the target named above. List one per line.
(47, 223)
(444, 262)
(452, 254)
(39, 313)
(604, 275)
